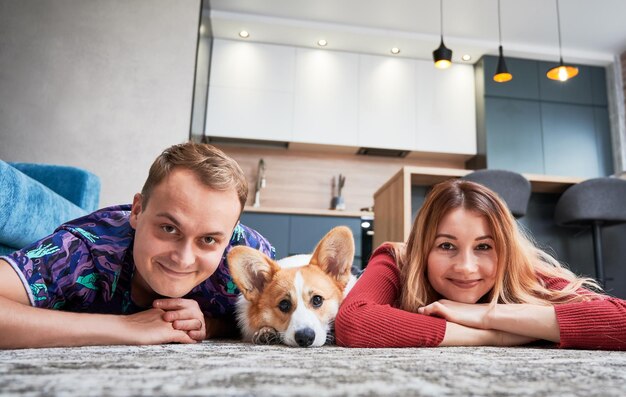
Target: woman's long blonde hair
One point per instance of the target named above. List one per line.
(521, 264)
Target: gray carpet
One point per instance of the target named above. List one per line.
(224, 368)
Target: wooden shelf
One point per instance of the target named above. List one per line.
(308, 211)
(392, 201)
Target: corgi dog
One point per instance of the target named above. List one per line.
(294, 300)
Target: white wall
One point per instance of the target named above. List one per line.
(101, 84)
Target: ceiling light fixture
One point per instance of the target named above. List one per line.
(395, 50)
(442, 55)
(244, 34)
(562, 72)
(466, 57)
(322, 43)
(502, 74)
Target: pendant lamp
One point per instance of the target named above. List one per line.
(562, 72)
(442, 55)
(502, 74)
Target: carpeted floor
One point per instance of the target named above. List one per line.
(224, 368)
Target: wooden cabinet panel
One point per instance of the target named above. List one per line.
(513, 138)
(326, 97)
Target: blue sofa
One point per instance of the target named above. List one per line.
(36, 198)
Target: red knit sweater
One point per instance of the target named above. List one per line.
(368, 316)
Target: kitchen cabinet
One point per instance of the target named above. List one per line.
(326, 100)
(541, 126)
(446, 111)
(251, 91)
(299, 234)
(387, 102)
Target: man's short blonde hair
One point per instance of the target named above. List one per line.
(211, 166)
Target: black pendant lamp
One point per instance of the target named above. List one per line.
(442, 55)
(502, 74)
(562, 72)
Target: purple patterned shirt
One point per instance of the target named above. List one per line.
(87, 265)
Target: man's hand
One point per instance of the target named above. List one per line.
(470, 315)
(149, 328)
(184, 315)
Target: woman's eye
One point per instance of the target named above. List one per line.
(284, 306)
(483, 247)
(446, 246)
(169, 229)
(316, 301)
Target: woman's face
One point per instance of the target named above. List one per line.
(462, 263)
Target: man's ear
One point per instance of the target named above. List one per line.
(335, 253)
(136, 209)
(251, 270)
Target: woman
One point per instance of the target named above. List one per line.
(469, 276)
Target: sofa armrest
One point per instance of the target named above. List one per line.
(29, 210)
(79, 186)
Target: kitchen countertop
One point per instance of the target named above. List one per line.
(307, 211)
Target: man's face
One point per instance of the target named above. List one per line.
(180, 235)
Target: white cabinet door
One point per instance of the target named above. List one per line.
(446, 109)
(251, 91)
(387, 102)
(326, 97)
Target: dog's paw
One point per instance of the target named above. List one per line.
(266, 336)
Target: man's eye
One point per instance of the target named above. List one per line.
(208, 240)
(483, 247)
(446, 246)
(169, 229)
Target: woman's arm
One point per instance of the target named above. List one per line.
(367, 317)
(532, 321)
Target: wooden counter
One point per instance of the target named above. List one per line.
(308, 211)
(392, 202)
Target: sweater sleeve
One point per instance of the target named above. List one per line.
(598, 323)
(367, 317)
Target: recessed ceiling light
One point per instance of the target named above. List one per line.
(466, 57)
(395, 50)
(244, 34)
(322, 43)
(202, 29)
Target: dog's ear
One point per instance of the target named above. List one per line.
(251, 270)
(335, 253)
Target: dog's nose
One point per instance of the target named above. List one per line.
(305, 337)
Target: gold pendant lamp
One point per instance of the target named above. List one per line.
(561, 72)
(502, 73)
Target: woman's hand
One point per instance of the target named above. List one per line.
(184, 315)
(471, 315)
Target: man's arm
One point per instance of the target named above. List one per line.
(23, 326)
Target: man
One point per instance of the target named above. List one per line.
(150, 273)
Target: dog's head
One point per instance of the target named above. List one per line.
(300, 303)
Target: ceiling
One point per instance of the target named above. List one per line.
(593, 31)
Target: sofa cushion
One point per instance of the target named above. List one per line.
(28, 209)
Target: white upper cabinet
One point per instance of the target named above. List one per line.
(251, 91)
(283, 93)
(387, 102)
(446, 109)
(326, 97)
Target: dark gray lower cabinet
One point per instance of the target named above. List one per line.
(299, 234)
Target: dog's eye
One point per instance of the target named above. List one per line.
(317, 301)
(284, 306)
